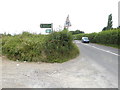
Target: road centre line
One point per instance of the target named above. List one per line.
(101, 49)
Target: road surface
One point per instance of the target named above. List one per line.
(95, 67)
(103, 55)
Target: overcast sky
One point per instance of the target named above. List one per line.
(89, 16)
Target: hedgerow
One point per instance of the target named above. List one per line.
(56, 47)
(59, 47)
(111, 37)
(24, 47)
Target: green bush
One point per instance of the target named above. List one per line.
(78, 36)
(107, 37)
(23, 47)
(56, 47)
(59, 47)
(91, 37)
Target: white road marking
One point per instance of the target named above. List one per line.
(105, 51)
(98, 48)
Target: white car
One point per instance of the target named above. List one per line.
(85, 40)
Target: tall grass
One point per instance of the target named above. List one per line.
(56, 47)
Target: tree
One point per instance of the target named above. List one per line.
(72, 32)
(109, 24)
(104, 28)
(77, 32)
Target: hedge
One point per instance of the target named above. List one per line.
(103, 37)
(55, 47)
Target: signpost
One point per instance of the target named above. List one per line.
(48, 30)
(47, 26)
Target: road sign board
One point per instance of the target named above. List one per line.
(48, 30)
(46, 25)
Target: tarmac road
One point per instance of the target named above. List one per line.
(103, 55)
(95, 67)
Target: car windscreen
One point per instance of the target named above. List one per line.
(85, 38)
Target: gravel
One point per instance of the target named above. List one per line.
(76, 73)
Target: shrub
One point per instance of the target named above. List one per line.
(56, 47)
(59, 47)
(91, 37)
(107, 37)
(23, 47)
(78, 36)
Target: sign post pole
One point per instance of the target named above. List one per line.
(52, 27)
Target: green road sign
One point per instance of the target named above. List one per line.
(46, 25)
(48, 30)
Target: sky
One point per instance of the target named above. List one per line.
(89, 16)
